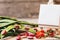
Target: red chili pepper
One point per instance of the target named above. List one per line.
(42, 34)
(39, 34)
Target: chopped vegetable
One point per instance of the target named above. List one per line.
(8, 27)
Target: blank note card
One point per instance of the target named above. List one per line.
(49, 14)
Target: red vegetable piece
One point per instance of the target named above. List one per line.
(42, 31)
(27, 34)
(16, 27)
(4, 32)
(18, 37)
(39, 34)
(27, 28)
(31, 35)
(36, 29)
(51, 34)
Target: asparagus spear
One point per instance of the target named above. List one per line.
(7, 29)
(10, 26)
(7, 18)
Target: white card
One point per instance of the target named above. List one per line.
(49, 14)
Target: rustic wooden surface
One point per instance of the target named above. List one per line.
(48, 38)
(20, 8)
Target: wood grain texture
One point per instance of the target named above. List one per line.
(21, 8)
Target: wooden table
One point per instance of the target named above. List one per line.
(48, 38)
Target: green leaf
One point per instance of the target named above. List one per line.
(32, 30)
(5, 17)
(9, 28)
(7, 22)
(1, 36)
